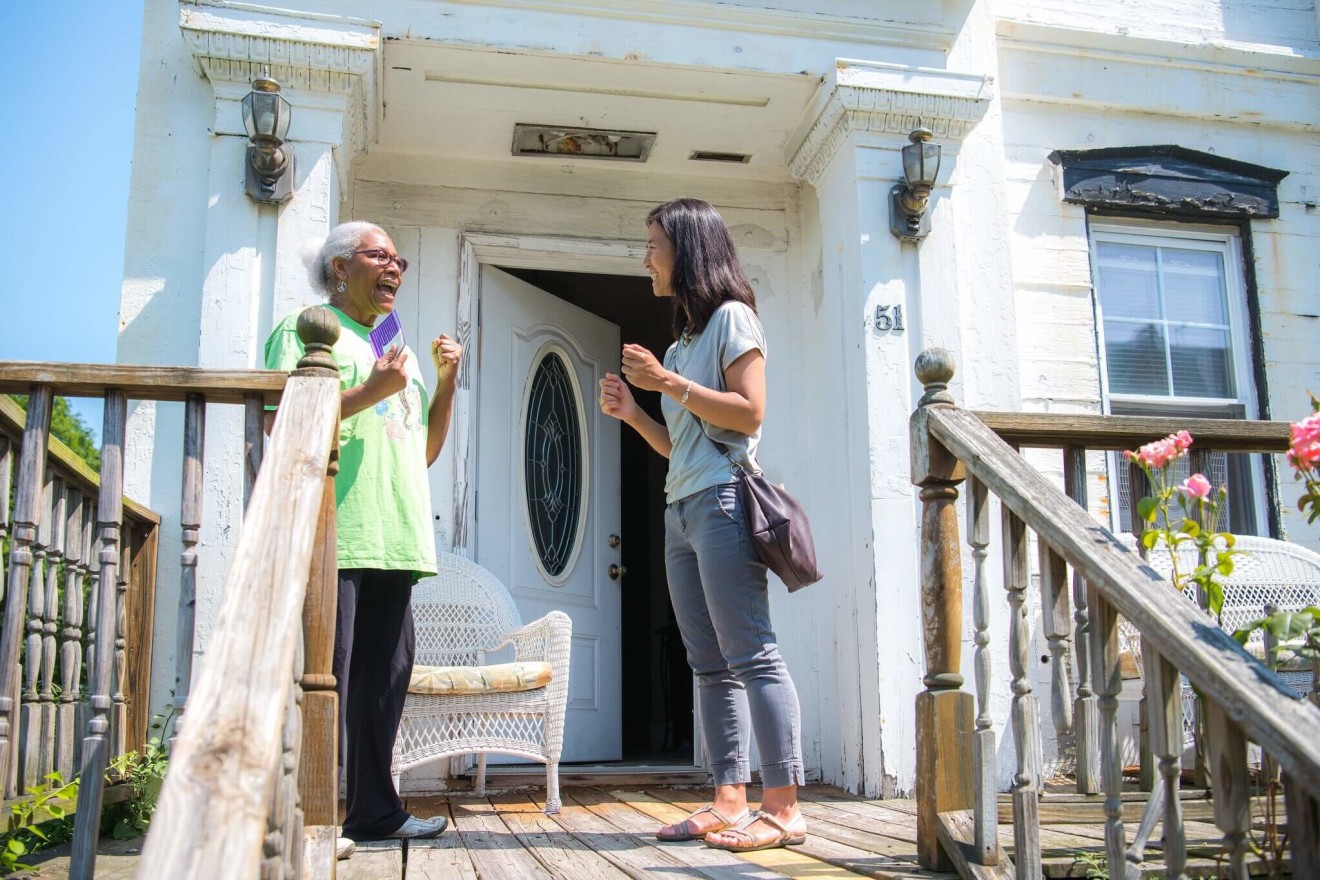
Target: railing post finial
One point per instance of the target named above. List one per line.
(935, 368)
(318, 328)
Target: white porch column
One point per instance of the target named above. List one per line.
(251, 267)
(848, 150)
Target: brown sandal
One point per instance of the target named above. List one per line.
(688, 831)
(792, 834)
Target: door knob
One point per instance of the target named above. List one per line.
(618, 571)
(614, 541)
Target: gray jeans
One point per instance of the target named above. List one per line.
(718, 587)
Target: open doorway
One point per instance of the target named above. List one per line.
(657, 684)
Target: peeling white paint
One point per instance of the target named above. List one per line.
(1003, 280)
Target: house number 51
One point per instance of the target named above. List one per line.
(889, 318)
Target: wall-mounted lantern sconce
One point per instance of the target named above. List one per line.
(908, 217)
(266, 118)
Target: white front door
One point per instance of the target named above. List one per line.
(548, 487)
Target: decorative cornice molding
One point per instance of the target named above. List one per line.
(233, 45)
(888, 22)
(890, 100)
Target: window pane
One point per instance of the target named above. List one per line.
(1201, 362)
(1233, 471)
(1135, 355)
(552, 449)
(1128, 287)
(1194, 286)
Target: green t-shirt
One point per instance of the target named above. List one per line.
(382, 495)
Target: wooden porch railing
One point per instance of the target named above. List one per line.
(51, 567)
(264, 711)
(1243, 701)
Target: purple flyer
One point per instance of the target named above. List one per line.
(387, 334)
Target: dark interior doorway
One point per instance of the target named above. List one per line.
(657, 683)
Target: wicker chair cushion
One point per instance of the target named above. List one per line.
(500, 679)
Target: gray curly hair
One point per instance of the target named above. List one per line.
(341, 242)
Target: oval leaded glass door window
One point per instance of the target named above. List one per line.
(554, 462)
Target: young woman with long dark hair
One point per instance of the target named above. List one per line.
(712, 383)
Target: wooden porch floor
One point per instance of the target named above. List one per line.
(608, 832)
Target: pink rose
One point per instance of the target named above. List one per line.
(1196, 487)
(1158, 453)
(1305, 449)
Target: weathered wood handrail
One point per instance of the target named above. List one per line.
(1245, 700)
(1075, 435)
(227, 805)
(111, 553)
(1214, 662)
(140, 382)
(60, 566)
(1057, 431)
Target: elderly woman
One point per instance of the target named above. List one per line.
(712, 386)
(391, 431)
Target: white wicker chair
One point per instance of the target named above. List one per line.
(1268, 571)
(462, 614)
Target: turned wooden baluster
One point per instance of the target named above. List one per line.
(1057, 617)
(96, 744)
(318, 765)
(119, 704)
(1085, 720)
(6, 485)
(93, 575)
(1139, 488)
(27, 517)
(1303, 829)
(1164, 693)
(985, 830)
(30, 720)
(1232, 788)
(55, 557)
(1025, 712)
(75, 558)
(1107, 681)
(1199, 461)
(190, 521)
(254, 441)
(944, 711)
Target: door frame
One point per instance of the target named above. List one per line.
(475, 249)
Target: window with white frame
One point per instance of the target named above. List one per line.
(1172, 323)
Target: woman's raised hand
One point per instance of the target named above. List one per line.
(387, 374)
(616, 400)
(445, 353)
(641, 369)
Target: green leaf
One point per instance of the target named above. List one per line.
(1214, 592)
(1242, 636)
(1288, 625)
(1146, 509)
(1150, 538)
(1191, 528)
(124, 830)
(1225, 566)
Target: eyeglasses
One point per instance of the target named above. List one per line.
(384, 258)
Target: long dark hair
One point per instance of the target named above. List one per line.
(706, 273)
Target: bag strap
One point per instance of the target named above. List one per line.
(735, 466)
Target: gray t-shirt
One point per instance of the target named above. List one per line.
(694, 462)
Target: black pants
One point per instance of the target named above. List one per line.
(374, 646)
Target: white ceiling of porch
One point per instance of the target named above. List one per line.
(463, 102)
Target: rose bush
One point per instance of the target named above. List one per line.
(1177, 514)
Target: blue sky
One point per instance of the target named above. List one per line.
(72, 67)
